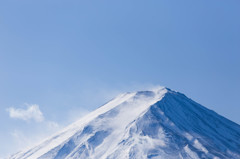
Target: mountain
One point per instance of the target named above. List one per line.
(154, 124)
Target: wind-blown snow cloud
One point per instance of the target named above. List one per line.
(32, 112)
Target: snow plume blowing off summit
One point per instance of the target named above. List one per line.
(156, 124)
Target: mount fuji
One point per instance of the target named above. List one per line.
(156, 124)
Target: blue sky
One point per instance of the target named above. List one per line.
(60, 59)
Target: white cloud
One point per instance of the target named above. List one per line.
(52, 125)
(32, 112)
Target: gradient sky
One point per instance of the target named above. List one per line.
(68, 57)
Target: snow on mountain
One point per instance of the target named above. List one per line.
(155, 124)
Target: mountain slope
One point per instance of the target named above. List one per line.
(148, 124)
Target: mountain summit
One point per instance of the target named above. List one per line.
(157, 124)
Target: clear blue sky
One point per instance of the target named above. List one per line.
(71, 56)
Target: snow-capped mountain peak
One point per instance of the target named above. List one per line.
(159, 123)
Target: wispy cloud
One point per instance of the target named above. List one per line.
(52, 125)
(32, 112)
